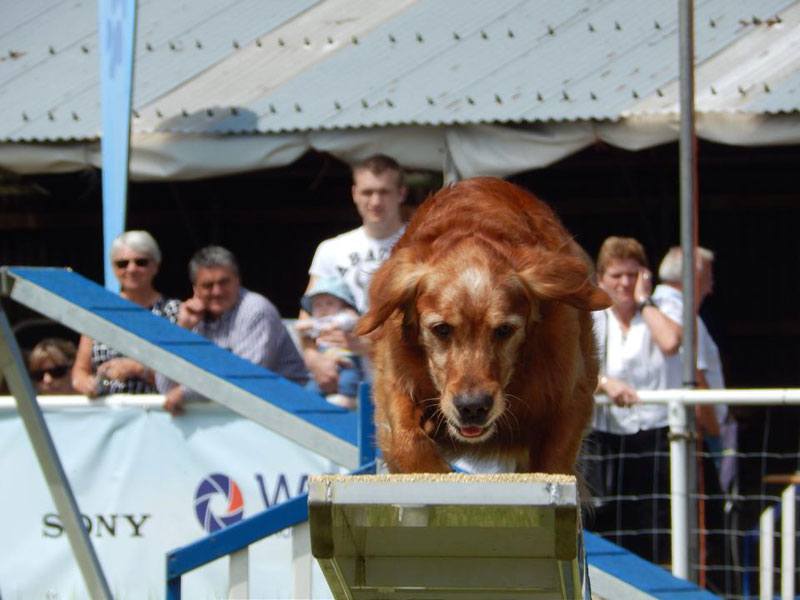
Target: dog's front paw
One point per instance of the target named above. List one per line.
(419, 465)
(414, 453)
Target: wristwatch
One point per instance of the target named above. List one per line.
(646, 302)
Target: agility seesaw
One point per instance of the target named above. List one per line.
(447, 536)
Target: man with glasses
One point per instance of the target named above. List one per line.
(235, 318)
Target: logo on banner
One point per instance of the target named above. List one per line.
(218, 502)
(107, 525)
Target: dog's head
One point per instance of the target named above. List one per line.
(471, 307)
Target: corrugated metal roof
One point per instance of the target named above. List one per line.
(269, 66)
(756, 73)
(49, 88)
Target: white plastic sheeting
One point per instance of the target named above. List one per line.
(475, 149)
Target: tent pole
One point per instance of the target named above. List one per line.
(450, 172)
(688, 234)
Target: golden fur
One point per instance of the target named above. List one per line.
(482, 339)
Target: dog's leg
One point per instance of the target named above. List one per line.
(405, 446)
(558, 444)
(555, 454)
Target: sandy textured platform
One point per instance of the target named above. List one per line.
(449, 478)
(437, 489)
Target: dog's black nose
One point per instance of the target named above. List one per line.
(473, 408)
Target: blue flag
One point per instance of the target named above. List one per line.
(117, 32)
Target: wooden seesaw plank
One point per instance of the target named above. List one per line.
(421, 536)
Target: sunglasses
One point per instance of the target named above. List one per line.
(55, 372)
(139, 262)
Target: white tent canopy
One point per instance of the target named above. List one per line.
(475, 149)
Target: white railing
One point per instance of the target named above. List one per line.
(752, 397)
(766, 562)
(680, 438)
(154, 401)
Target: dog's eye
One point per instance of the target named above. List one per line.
(503, 332)
(442, 330)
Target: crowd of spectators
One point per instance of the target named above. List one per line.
(330, 359)
(639, 342)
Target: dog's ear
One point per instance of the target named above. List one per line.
(393, 287)
(565, 277)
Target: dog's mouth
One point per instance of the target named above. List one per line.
(471, 433)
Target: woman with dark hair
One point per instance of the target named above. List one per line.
(99, 369)
(49, 365)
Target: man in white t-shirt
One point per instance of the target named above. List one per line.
(378, 191)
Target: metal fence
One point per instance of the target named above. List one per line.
(698, 507)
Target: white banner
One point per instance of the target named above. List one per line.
(146, 483)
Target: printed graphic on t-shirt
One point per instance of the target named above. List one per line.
(354, 257)
(363, 266)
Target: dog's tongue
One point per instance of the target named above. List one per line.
(471, 431)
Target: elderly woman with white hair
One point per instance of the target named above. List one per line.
(98, 368)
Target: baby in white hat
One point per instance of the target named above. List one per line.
(331, 306)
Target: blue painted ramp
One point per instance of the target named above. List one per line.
(261, 395)
(616, 573)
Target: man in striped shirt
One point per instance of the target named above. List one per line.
(235, 318)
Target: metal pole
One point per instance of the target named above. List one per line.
(366, 425)
(766, 554)
(679, 493)
(13, 367)
(787, 542)
(239, 574)
(688, 212)
(450, 172)
(302, 561)
(688, 190)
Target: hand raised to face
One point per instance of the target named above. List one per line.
(644, 285)
(191, 312)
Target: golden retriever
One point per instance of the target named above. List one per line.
(482, 340)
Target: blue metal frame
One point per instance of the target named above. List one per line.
(238, 536)
(366, 425)
(639, 573)
(599, 552)
(271, 521)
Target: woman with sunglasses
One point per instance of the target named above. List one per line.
(99, 369)
(49, 364)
